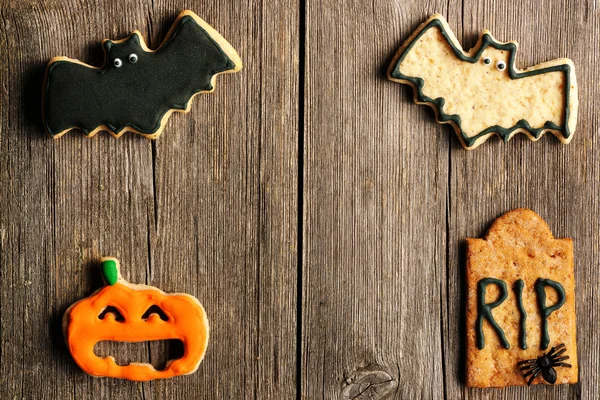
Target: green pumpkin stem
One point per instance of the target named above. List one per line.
(110, 271)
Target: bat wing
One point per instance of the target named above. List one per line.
(425, 62)
(547, 97)
(189, 61)
(137, 96)
(72, 97)
(429, 61)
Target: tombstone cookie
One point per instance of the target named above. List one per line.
(480, 92)
(136, 89)
(521, 326)
(125, 312)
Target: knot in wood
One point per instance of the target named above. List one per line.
(368, 385)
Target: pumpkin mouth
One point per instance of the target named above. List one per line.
(158, 353)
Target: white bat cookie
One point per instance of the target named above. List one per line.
(480, 92)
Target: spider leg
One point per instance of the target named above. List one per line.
(552, 350)
(561, 364)
(553, 356)
(532, 361)
(533, 377)
(534, 371)
(526, 364)
(528, 367)
(559, 359)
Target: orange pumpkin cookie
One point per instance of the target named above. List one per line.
(117, 312)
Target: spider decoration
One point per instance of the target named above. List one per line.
(545, 364)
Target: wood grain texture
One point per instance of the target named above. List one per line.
(390, 197)
(558, 182)
(375, 192)
(372, 307)
(210, 209)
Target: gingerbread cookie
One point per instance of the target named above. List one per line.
(136, 89)
(125, 312)
(521, 326)
(480, 92)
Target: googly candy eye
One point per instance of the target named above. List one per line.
(117, 62)
(501, 65)
(133, 58)
(487, 61)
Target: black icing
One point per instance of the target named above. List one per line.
(135, 94)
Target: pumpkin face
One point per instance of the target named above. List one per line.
(94, 319)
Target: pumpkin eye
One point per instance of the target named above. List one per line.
(112, 310)
(155, 310)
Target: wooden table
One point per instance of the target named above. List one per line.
(316, 212)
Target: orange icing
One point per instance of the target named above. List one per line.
(186, 321)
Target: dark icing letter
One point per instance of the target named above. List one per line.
(484, 311)
(518, 288)
(540, 290)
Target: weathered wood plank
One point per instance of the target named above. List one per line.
(226, 200)
(558, 182)
(65, 203)
(210, 209)
(376, 173)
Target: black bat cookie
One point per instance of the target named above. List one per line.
(136, 89)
